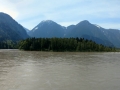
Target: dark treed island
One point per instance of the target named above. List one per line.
(62, 44)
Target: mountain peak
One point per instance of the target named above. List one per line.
(10, 29)
(84, 22)
(5, 17)
(2, 14)
(47, 21)
(47, 28)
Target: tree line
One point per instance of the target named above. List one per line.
(62, 44)
(8, 45)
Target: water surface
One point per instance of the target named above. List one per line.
(25, 70)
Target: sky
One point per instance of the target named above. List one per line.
(29, 13)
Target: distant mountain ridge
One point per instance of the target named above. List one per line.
(10, 29)
(89, 31)
(84, 29)
(47, 29)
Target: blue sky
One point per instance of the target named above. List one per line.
(29, 13)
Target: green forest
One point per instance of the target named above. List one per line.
(62, 44)
(8, 45)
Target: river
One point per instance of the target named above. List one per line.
(26, 70)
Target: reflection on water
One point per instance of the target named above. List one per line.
(25, 70)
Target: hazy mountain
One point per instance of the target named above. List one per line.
(84, 29)
(89, 31)
(47, 29)
(10, 29)
(113, 36)
(27, 30)
(69, 29)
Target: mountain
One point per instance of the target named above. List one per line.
(89, 31)
(107, 37)
(27, 30)
(10, 29)
(69, 29)
(84, 29)
(113, 36)
(47, 29)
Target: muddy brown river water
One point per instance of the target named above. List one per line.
(26, 70)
